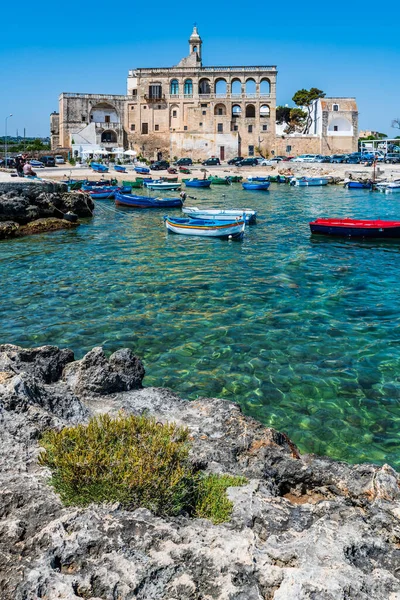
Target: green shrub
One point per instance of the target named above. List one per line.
(212, 502)
(137, 462)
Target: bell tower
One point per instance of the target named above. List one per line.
(195, 43)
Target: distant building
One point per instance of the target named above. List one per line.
(196, 111)
(365, 134)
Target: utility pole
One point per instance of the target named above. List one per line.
(5, 141)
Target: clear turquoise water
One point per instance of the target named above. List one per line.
(304, 333)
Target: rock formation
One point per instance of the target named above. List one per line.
(21, 207)
(304, 527)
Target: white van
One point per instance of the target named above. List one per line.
(305, 158)
(59, 159)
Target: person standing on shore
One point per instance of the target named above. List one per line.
(19, 165)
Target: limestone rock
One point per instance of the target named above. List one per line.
(302, 527)
(95, 374)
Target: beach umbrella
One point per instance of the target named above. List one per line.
(130, 153)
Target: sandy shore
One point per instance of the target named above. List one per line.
(299, 169)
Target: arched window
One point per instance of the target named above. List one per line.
(220, 109)
(220, 87)
(109, 136)
(174, 87)
(188, 88)
(236, 87)
(250, 111)
(236, 110)
(264, 110)
(194, 48)
(250, 86)
(204, 86)
(265, 87)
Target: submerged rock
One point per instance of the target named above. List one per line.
(303, 527)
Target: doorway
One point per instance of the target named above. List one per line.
(222, 153)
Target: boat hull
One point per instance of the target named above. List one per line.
(119, 169)
(356, 228)
(221, 215)
(147, 202)
(143, 170)
(256, 186)
(218, 229)
(162, 186)
(309, 181)
(199, 183)
(395, 189)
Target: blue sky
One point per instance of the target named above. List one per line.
(345, 49)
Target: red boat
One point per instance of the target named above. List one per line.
(357, 228)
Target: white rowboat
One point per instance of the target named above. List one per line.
(220, 214)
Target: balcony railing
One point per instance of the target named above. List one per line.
(199, 70)
(104, 125)
(154, 99)
(216, 96)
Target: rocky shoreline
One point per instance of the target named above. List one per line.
(27, 209)
(304, 527)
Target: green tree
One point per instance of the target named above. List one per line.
(282, 114)
(297, 120)
(306, 98)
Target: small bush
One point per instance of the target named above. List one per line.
(212, 502)
(137, 462)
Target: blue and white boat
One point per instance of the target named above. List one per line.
(309, 181)
(120, 169)
(358, 185)
(208, 214)
(162, 185)
(260, 185)
(200, 227)
(142, 170)
(99, 168)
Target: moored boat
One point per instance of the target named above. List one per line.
(358, 185)
(220, 214)
(393, 188)
(200, 227)
(199, 183)
(259, 179)
(364, 228)
(133, 184)
(219, 180)
(256, 185)
(309, 181)
(235, 178)
(278, 179)
(103, 194)
(161, 185)
(147, 202)
(120, 169)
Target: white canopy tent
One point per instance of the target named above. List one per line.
(130, 153)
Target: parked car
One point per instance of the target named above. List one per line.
(49, 161)
(37, 164)
(210, 162)
(354, 158)
(234, 161)
(59, 159)
(305, 158)
(248, 162)
(183, 162)
(10, 163)
(285, 158)
(338, 158)
(323, 159)
(392, 158)
(270, 162)
(159, 165)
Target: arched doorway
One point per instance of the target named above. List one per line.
(109, 137)
(250, 111)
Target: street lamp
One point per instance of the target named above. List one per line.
(5, 142)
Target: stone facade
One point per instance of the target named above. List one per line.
(199, 112)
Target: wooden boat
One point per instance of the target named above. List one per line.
(278, 178)
(382, 185)
(171, 179)
(120, 169)
(98, 168)
(146, 202)
(357, 228)
(142, 170)
(261, 185)
(143, 179)
(393, 188)
(193, 212)
(358, 185)
(235, 178)
(184, 170)
(212, 228)
(162, 185)
(100, 182)
(309, 181)
(99, 188)
(133, 184)
(219, 180)
(105, 194)
(259, 179)
(198, 183)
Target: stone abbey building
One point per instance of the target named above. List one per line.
(197, 111)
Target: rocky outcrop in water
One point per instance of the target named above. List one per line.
(304, 527)
(20, 207)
